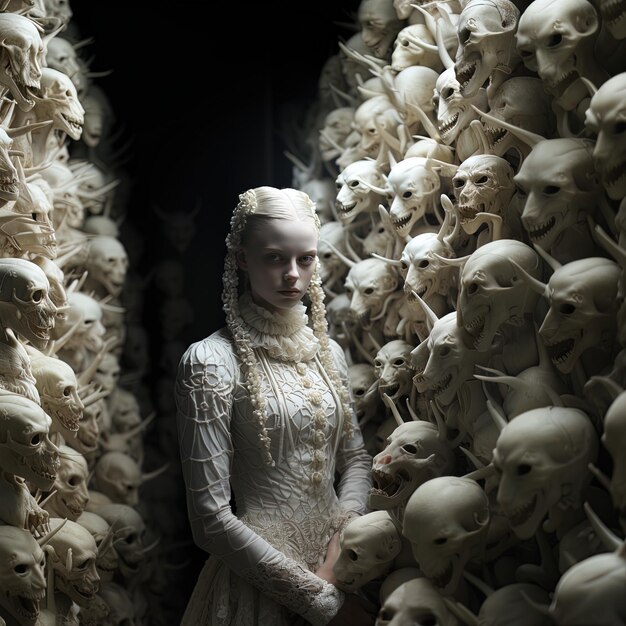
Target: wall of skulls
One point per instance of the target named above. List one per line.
(468, 160)
(77, 545)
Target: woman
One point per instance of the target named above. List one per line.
(263, 407)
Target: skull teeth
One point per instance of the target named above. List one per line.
(442, 385)
(29, 607)
(346, 208)
(385, 485)
(615, 173)
(465, 74)
(613, 11)
(469, 212)
(495, 135)
(401, 222)
(446, 127)
(522, 513)
(420, 291)
(442, 579)
(563, 82)
(561, 351)
(541, 231)
(390, 389)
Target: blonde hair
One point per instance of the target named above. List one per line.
(255, 207)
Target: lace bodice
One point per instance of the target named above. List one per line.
(286, 513)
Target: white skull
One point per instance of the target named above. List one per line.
(98, 116)
(370, 116)
(483, 184)
(86, 440)
(409, 49)
(124, 409)
(393, 369)
(332, 269)
(322, 191)
(446, 520)
(486, 51)
(416, 188)
(492, 292)
(60, 9)
(413, 87)
(74, 561)
(605, 117)
(95, 188)
(119, 477)
(101, 531)
(369, 285)
(454, 112)
(107, 263)
(507, 606)
(542, 459)
(58, 390)
(61, 56)
(415, 453)
(416, 602)
(22, 578)
(338, 313)
(583, 310)
(379, 25)
(68, 208)
(363, 384)
(71, 495)
(22, 53)
(85, 313)
(26, 448)
(556, 39)
(333, 135)
(614, 439)
(369, 545)
(129, 529)
(354, 196)
(9, 188)
(592, 592)
(27, 308)
(557, 189)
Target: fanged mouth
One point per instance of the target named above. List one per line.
(523, 513)
(561, 351)
(442, 579)
(363, 320)
(40, 471)
(613, 12)
(402, 222)
(442, 385)
(86, 595)
(536, 233)
(345, 210)
(420, 291)
(448, 125)
(468, 212)
(559, 86)
(465, 74)
(73, 123)
(28, 607)
(476, 328)
(613, 175)
(390, 390)
(419, 380)
(495, 135)
(386, 485)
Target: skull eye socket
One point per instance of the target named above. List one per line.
(407, 194)
(352, 555)
(521, 193)
(482, 180)
(404, 266)
(327, 255)
(472, 288)
(378, 363)
(447, 93)
(353, 184)
(458, 182)
(37, 295)
(526, 54)
(368, 291)
(409, 448)
(464, 35)
(35, 439)
(404, 42)
(381, 230)
(523, 469)
(551, 190)
(74, 480)
(21, 568)
(67, 391)
(359, 392)
(555, 40)
(423, 264)
(440, 541)
(567, 308)
(619, 128)
(445, 351)
(338, 184)
(428, 620)
(399, 362)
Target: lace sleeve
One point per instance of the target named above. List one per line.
(206, 381)
(353, 462)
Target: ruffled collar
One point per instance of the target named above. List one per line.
(285, 336)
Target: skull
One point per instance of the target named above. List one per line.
(124, 409)
(337, 127)
(363, 383)
(122, 609)
(59, 102)
(129, 530)
(592, 592)
(119, 477)
(542, 459)
(101, 531)
(98, 116)
(61, 56)
(492, 292)
(94, 188)
(413, 87)
(454, 111)
(557, 188)
(446, 520)
(353, 70)
(58, 390)
(380, 240)
(68, 209)
(26, 448)
(423, 271)
(86, 439)
(71, 494)
(9, 189)
(107, 263)
(409, 49)
(486, 51)
(372, 115)
(414, 454)
(613, 15)
(393, 369)
(507, 606)
(368, 546)
(354, 195)
(415, 187)
(379, 25)
(22, 52)
(416, 602)
(583, 310)
(60, 9)
(332, 268)
(482, 184)
(22, 578)
(74, 561)
(614, 438)
(322, 191)
(556, 39)
(369, 285)
(338, 313)
(523, 102)
(85, 313)
(605, 117)
(27, 308)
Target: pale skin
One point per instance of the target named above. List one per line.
(279, 259)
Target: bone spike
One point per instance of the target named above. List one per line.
(94, 397)
(441, 235)
(82, 43)
(611, 246)
(543, 609)
(431, 316)
(135, 430)
(444, 55)
(548, 258)
(511, 381)
(386, 302)
(298, 163)
(68, 560)
(414, 416)
(424, 44)
(42, 541)
(373, 340)
(529, 138)
(379, 190)
(475, 462)
(456, 261)
(346, 96)
(593, 90)
(394, 262)
(157, 472)
(107, 541)
(481, 585)
(497, 417)
(480, 474)
(460, 611)
(101, 74)
(536, 285)
(359, 346)
(608, 538)
(429, 127)
(341, 256)
(151, 546)
(393, 408)
(58, 344)
(603, 479)
(442, 432)
(45, 501)
(330, 140)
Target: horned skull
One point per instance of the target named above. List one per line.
(409, 49)
(393, 369)
(119, 477)
(101, 531)
(446, 520)
(107, 264)
(379, 25)
(370, 116)
(85, 313)
(363, 382)
(61, 56)
(355, 195)
(337, 127)
(322, 192)
(542, 459)
(486, 51)
(368, 546)
(71, 495)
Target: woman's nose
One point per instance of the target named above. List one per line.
(292, 273)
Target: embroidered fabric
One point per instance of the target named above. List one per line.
(262, 561)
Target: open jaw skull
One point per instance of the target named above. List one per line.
(355, 195)
(393, 368)
(446, 520)
(379, 25)
(542, 459)
(71, 495)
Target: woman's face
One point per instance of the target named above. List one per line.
(279, 258)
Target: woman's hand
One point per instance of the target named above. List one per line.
(355, 611)
(325, 570)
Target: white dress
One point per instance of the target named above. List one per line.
(262, 559)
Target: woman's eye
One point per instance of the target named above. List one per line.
(307, 260)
